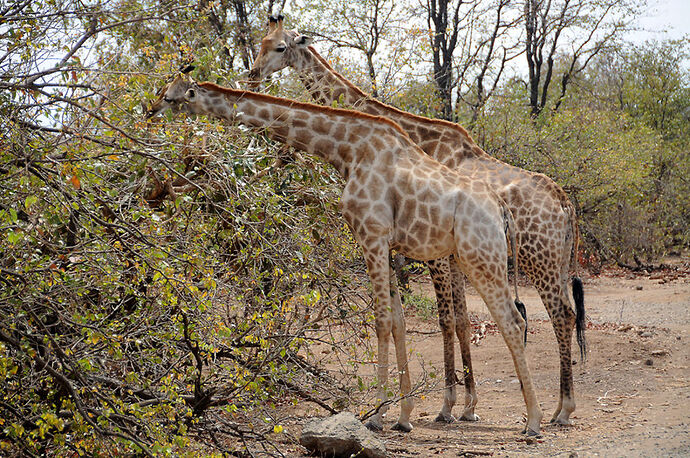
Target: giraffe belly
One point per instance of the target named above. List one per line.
(437, 247)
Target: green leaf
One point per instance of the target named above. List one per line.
(13, 237)
(29, 201)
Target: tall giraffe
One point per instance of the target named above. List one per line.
(395, 197)
(544, 216)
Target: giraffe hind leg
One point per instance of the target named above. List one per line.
(564, 329)
(512, 327)
(563, 321)
(441, 278)
(463, 329)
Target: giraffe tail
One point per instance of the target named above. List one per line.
(511, 235)
(579, 297)
(577, 288)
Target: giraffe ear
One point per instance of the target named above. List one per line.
(303, 40)
(275, 22)
(272, 21)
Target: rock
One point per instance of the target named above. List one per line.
(639, 287)
(646, 334)
(625, 327)
(341, 435)
(659, 352)
(649, 362)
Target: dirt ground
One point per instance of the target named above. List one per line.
(632, 394)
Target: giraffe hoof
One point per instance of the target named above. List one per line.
(445, 418)
(470, 417)
(531, 433)
(402, 427)
(372, 426)
(561, 421)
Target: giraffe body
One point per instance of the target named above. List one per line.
(395, 196)
(544, 216)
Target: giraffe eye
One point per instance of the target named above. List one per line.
(281, 48)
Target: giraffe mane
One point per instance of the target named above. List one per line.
(289, 103)
(424, 119)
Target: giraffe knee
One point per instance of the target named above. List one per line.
(383, 327)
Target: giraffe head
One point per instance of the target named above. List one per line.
(171, 96)
(184, 95)
(279, 49)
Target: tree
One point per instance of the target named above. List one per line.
(491, 45)
(445, 21)
(584, 27)
(360, 26)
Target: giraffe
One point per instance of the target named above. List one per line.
(544, 216)
(395, 197)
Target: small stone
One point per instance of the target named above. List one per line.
(645, 334)
(649, 362)
(659, 352)
(625, 327)
(639, 287)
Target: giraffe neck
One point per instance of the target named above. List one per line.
(326, 86)
(341, 137)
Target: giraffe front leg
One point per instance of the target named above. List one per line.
(383, 325)
(441, 278)
(463, 329)
(389, 317)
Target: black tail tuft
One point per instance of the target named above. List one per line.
(579, 297)
(523, 311)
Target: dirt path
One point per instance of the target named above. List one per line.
(633, 393)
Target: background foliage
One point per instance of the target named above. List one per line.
(162, 282)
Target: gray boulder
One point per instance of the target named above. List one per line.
(341, 436)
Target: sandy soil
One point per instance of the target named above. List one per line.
(632, 394)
